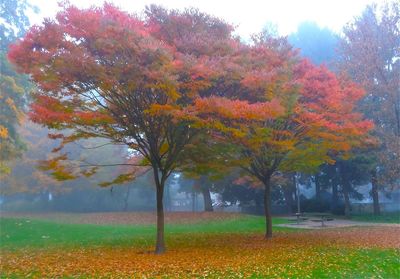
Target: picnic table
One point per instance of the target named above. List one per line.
(299, 217)
(321, 217)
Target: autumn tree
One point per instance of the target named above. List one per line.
(320, 46)
(283, 113)
(13, 86)
(370, 54)
(105, 73)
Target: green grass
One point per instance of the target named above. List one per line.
(392, 217)
(16, 232)
(317, 262)
(358, 263)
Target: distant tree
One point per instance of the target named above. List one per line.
(13, 86)
(15, 21)
(370, 53)
(205, 161)
(27, 175)
(249, 197)
(321, 46)
(240, 188)
(316, 43)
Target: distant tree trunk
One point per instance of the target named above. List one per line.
(347, 206)
(317, 188)
(160, 182)
(346, 186)
(297, 185)
(294, 187)
(267, 207)
(288, 193)
(335, 197)
(374, 192)
(193, 200)
(126, 199)
(205, 189)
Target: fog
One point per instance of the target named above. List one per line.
(30, 189)
(85, 180)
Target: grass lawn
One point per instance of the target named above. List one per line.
(21, 232)
(227, 248)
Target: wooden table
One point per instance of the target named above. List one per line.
(323, 217)
(298, 215)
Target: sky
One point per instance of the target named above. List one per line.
(249, 16)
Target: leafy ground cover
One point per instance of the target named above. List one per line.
(230, 247)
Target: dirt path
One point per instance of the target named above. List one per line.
(336, 223)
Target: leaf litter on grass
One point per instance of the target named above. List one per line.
(335, 253)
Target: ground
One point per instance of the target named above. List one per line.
(205, 245)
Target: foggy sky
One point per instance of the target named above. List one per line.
(249, 16)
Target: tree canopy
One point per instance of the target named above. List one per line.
(283, 113)
(370, 54)
(102, 72)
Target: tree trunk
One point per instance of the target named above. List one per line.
(347, 207)
(334, 197)
(317, 188)
(374, 193)
(207, 199)
(193, 200)
(160, 243)
(205, 190)
(267, 208)
(288, 193)
(296, 181)
(126, 199)
(346, 186)
(294, 188)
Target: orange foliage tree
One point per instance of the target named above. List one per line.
(105, 73)
(282, 113)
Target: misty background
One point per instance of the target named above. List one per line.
(30, 188)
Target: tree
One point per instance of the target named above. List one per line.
(370, 53)
(13, 87)
(283, 113)
(320, 45)
(14, 20)
(105, 73)
(315, 43)
(11, 105)
(205, 160)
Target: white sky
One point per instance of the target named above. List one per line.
(250, 16)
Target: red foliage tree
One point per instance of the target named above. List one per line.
(283, 114)
(105, 73)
